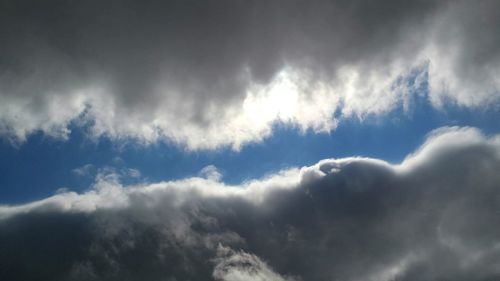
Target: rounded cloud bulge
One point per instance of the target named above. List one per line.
(207, 74)
(431, 217)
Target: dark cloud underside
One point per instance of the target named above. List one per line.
(434, 217)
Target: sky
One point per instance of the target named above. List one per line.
(236, 140)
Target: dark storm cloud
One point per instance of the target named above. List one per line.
(432, 217)
(201, 45)
(183, 69)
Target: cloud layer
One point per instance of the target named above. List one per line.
(432, 217)
(206, 74)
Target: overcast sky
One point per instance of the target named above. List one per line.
(249, 140)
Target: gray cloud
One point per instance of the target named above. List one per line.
(431, 217)
(204, 74)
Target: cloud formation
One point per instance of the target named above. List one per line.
(431, 217)
(206, 74)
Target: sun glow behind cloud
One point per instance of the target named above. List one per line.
(293, 97)
(333, 62)
(173, 96)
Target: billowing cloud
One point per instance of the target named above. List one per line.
(206, 74)
(432, 217)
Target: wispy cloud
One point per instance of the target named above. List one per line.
(83, 171)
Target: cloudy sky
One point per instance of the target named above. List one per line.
(242, 140)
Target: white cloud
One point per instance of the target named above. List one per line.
(255, 69)
(241, 266)
(432, 217)
(211, 172)
(84, 170)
